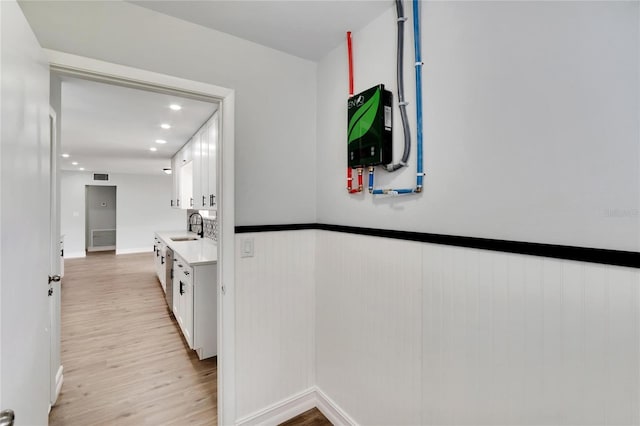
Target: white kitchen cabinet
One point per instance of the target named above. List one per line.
(210, 172)
(203, 147)
(197, 160)
(194, 289)
(175, 189)
(159, 249)
(182, 170)
(194, 169)
(195, 305)
(183, 298)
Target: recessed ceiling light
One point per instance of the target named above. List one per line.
(81, 168)
(160, 141)
(65, 156)
(175, 107)
(153, 148)
(165, 126)
(167, 171)
(75, 163)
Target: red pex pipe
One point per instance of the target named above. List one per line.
(349, 169)
(350, 53)
(349, 180)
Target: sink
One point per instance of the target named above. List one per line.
(184, 239)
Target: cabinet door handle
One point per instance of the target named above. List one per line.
(181, 287)
(157, 252)
(162, 260)
(178, 202)
(204, 203)
(171, 203)
(191, 202)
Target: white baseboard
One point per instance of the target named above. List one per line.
(332, 411)
(134, 250)
(295, 405)
(59, 381)
(75, 255)
(103, 248)
(281, 411)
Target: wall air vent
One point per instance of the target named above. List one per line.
(101, 176)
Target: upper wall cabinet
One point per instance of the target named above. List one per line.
(182, 172)
(195, 167)
(206, 181)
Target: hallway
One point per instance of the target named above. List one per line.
(125, 361)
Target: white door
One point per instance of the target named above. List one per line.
(24, 220)
(55, 267)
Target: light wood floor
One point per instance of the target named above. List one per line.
(125, 361)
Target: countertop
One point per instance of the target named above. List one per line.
(202, 251)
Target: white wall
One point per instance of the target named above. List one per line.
(406, 333)
(275, 92)
(410, 333)
(531, 134)
(531, 123)
(142, 208)
(274, 319)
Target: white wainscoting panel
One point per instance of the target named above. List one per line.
(368, 327)
(412, 333)
(274, 319)
(512, 339)
(405, 333)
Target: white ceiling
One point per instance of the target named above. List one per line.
(107, 128)
(305, 28)
(110, 128)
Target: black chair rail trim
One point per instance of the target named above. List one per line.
(583, 254)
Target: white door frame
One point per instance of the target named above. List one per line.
(56, 372)
(134, 77)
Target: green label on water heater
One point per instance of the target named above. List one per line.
(369, 128)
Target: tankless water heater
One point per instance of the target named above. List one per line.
(370, 121)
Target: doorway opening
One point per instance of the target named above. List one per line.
(100, 218)
(68, 65)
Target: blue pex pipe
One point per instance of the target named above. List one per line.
(393, 191)
(419, 166)
(418, 58)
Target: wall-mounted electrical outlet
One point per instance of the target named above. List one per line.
(246, 247)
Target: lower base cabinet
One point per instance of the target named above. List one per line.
(159, 255)
(195, 305)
